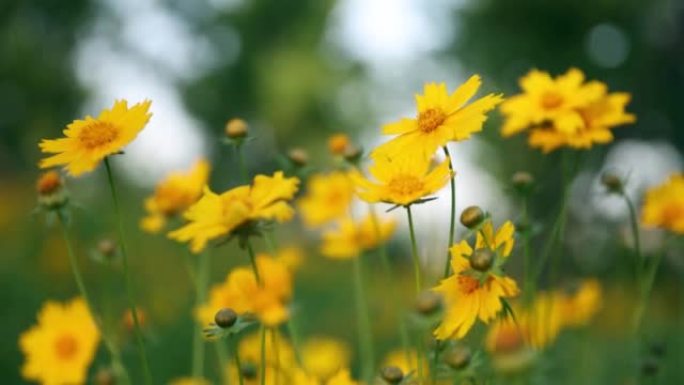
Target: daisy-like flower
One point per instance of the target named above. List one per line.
(350, 238)
(327, 198)
(215, 215)
(580, 304)
(406, 361)
(478, 284)
(266, 298)
(664, 205)
(279, 358)
(401, 180)
(323, 357)
(51, 191)
(61, 347)
(87, 142)
(441, 118)
(173, 195)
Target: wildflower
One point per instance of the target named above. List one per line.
(236, 128)
(301, 377)
(324, 357)
(351, 238)
(215, 215)
(61, 347)
(579, 306)
(51, 192)
(470, 294)
(174, 195)
(338, 144)
(402, 180)
(664, 205)
(279, 358)
(225, 318)
(392, 374)
(328, 197)
(458, 357)
(189, 381)
(89, 141)
(292, 257)
(298, 156)
(267, 299)
(441, 118)
(406, 361)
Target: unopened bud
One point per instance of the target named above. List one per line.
(392, 374)
(298, 156)
(338, 143)
(522, 181)
(482, 260)
(612, 182)
(107, 248)
(236, 128)
(472, 217)
(427, 302)
(352, 154)
(225, 318)
(457, 357)
(248, 371)
(51, 192)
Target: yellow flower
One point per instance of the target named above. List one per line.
(470, 294)
(292, 257)
(89, 141)
(280, 358)
(267, 299)
(328, 197)
(174, 195)
(350, 238)
(664, 205)
(323, 357)
(51, 191)
(441, 118)
(545, 99)
(215, 215)
(406, 361)
(189, 381)
(338, 144)
(579, 307)
(61, 347)
(401, 180)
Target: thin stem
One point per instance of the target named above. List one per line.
(242, 165)
(527, 257)
(201, 296)
(634, 224)
(262, 375)
(414, 252)
(238, 364)
(252, 259)
(222, 357)
(120, 369)
(294, 337)
(452, 220)
(646, 286)
(363, 323)
(127, 277)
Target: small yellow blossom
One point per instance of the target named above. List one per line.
(173, 195)
(279, 358)
(579, 306)
(51, 191)
(441, 118)
(215, 215)
(401, 180)
(61, 347)
(324, 357)
(406, 361)
(292, 257)
(338, 144)
(664, 205)
(89, 141)
(350, 238)
(190, 381)
(328, 197)
(470, 294)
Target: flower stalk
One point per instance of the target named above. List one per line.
(414, 252)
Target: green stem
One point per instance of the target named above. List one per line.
(528, 284)
(294, 337)
(452, 220)
(252, 259)
(127, 277)
(262, 375)
(242, 165)
(414, 252)
(222, 357)
(363, 323)
(201, 296)
(271, 244)
(646, 287)
(117, 364)
(238, 364)
(634, 224)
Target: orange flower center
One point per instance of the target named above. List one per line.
(508, 339)
(468, 284)
(672, 214)
(551, 100)
(48, 183)
(405, 185)
(429, 120)
(66, 347)
(97, 135)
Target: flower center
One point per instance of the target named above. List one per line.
(429, 120)
(405, 185)
(97, 135)
(66, 347)
(508, 339)
(672, 214)
(551, 100)
(468, 284)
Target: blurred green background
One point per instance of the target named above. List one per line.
(299, 71)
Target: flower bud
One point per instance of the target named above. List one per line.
(104, 376)
(50, 189)
(472, 217)
(236, 128)
(298, 156)
(427, 303)
(392, 374)
(107, 248)
(352, 154)
(457, 357)
(522, 181)
(612, 182)
(338, 144)
(225, 318)
(248, 371)
(482, 260)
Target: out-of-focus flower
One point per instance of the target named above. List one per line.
(174, 194)
(580, 305)
(215, 215)
(51, 192)
(89, 141)
(338, 144)
(407, 361)
(324, 357)
(292, 257)
(664, 205)
(351, 238)
(61, 347)
(401, 180)
(441, 118)
(267, 298)
(129, 323)
(328, 197)
(189, 381)
(476, 289)
(279, 358)
(236, 128)
(302, 377)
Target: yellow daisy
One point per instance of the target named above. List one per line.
(279, 358)
(89, 141)
(472, 293)
(350, 238)
(401, 180)
(441, 118)
(173, 195)
(323, 357)
(580, 305)
(61, 347)
(328, 197)
(664, 205)
(407, 361)
(215, 215)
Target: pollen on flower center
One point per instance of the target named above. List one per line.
(97, 135)
(66, 346)
(405, 185)
(551, 100)
(468, 284)
(429, 120)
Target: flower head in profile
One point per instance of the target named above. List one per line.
(328, 197)
(219, 215)
(89, 141)
(52, 194)
(664, 205)
(338, 144)
(478, 284)
(441, 118)
(580, 304)
(190, 381)
(61, 347)
(173, 195)
(267, 298)
(401, 180)
(406, 360)
(323, 357)
(349, 239)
